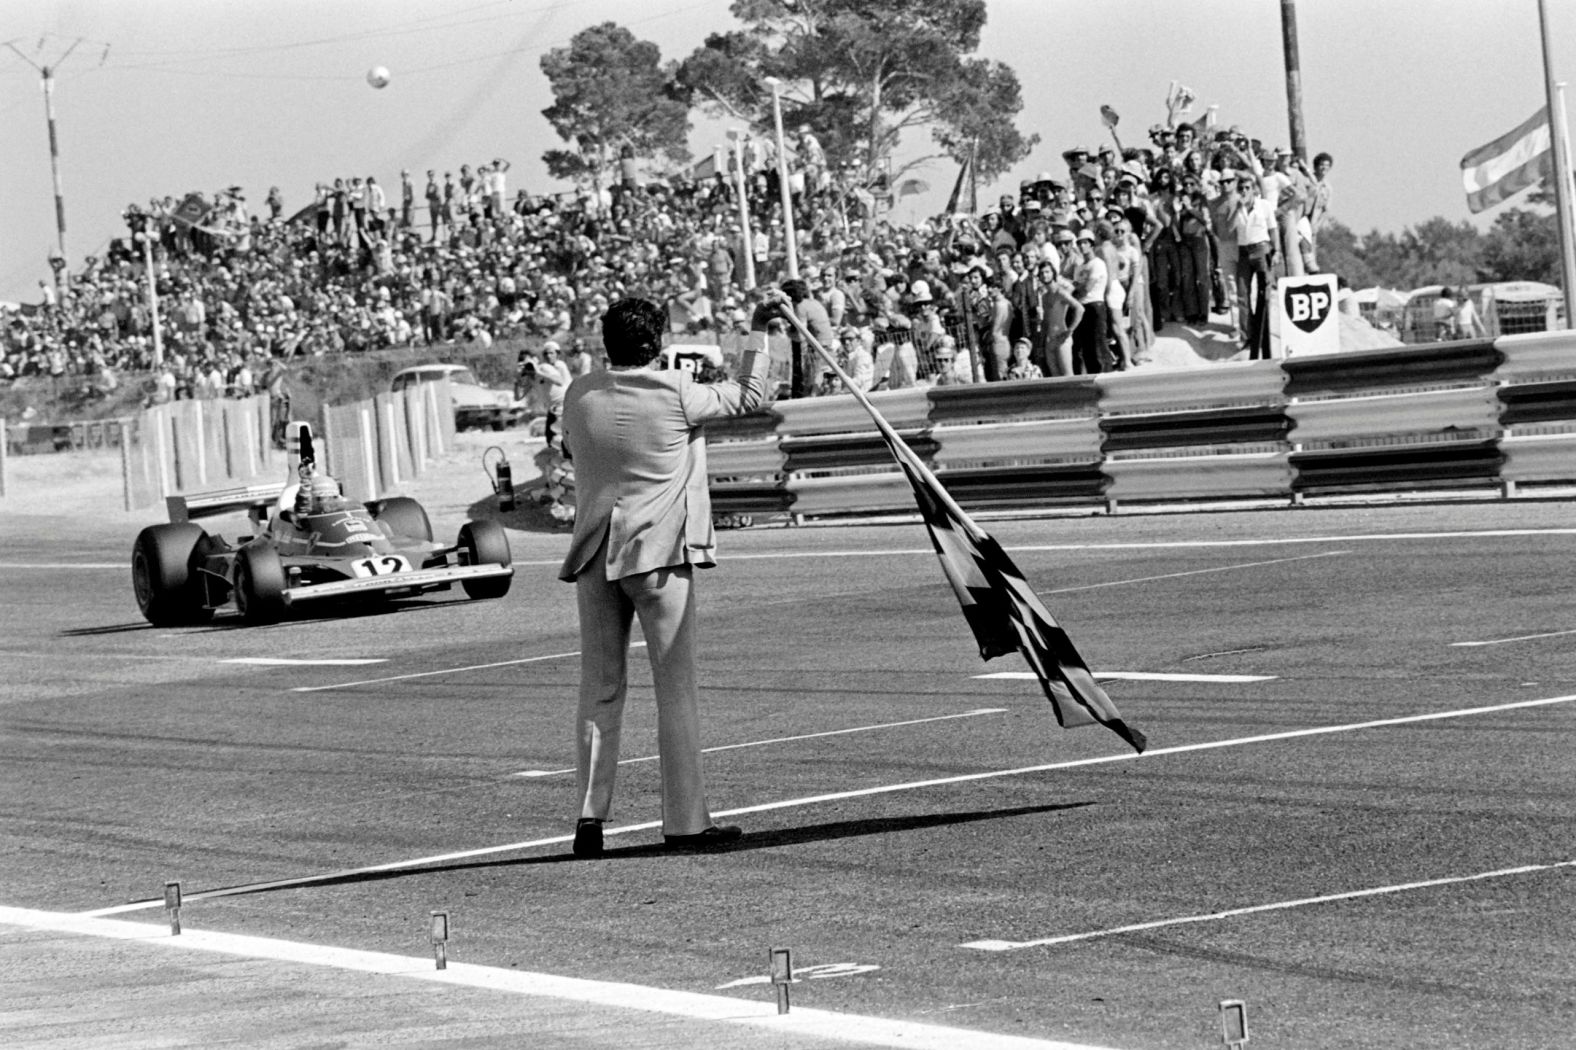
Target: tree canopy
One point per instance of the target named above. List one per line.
(859, 73)
(611, 90)
(1521, 245)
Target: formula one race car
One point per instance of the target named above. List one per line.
(308, 544)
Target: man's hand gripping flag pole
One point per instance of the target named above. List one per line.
(1001, 608)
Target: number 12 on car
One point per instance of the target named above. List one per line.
(383, 565)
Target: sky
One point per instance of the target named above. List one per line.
(161, 97)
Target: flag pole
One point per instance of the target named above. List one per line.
(1562, 168)
(912, 457)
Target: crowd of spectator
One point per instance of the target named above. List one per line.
(1073, 274)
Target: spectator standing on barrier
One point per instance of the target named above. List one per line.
(806, 363)
(643, 524)
(1468, 324)
(1254, 223)
(434, 203)
(1091, 353)
(276, 382)
(1445, 315)
(1060, 315)
(275, 202)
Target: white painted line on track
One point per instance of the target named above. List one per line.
(1193, 572)
(760, 1014)
(445, 670)
(1518, 638)
(788, 739)
(1159, 545)
(282, 661)
(1008, 946)
(57, 565)
(1146, 676)
(838, 796)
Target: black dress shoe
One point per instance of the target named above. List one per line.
(588, 837)
(718, 836)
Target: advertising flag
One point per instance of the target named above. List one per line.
(1517, 159)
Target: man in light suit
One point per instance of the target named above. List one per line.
(642, 525)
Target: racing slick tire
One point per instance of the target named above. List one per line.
(164, 576)
(259, 584)
(485, 543)
(405, 517)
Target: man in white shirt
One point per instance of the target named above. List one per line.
(1091, 352)
(1255, 227)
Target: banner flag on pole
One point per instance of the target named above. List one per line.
(998, 604)
(1502, 168)
(962, 201)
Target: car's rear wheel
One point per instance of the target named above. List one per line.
(405, 517)
(259, 584)
(485, 543)
(164, 574)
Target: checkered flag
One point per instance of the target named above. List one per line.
(999, 605)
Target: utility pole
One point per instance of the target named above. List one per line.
(1299, 143)
(47, 75)
(1560, 148)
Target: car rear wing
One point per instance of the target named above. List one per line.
(252, 498)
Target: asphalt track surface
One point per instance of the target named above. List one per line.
(1356, 813)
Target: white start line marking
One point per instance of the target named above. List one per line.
(1402, 887)
(800, 1025)
(787, 739)
(281, 661)
(1146, 676)
(1517, 638)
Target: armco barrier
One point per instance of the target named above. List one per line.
(1535, 356)
(1256, 384)
(1037, 441)
(1474, 409)
(1372, 371)
(1523, 403)
(1215, 427)
(1400, 466)
(1199, 477)
(1480, 413)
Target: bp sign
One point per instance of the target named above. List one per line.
(1307, 315)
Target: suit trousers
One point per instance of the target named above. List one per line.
(665, 602)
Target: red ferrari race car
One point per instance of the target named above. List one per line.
(308, 544)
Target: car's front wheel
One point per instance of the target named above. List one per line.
(485, 543)
(259, 584)
(164, 575)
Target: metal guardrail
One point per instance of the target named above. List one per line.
(1481, 413)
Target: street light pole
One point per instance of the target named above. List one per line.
(782, 177)
(47, 74)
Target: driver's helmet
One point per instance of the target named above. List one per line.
(319, 495)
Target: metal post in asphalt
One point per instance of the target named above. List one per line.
(782, 177)
(172, 905)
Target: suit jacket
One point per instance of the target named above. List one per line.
(640, 463)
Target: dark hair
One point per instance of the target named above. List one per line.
(797, 288)
(632, 331)
(1317, 157)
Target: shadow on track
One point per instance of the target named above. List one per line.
(829, 832)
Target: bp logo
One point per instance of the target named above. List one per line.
(1307, 305)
